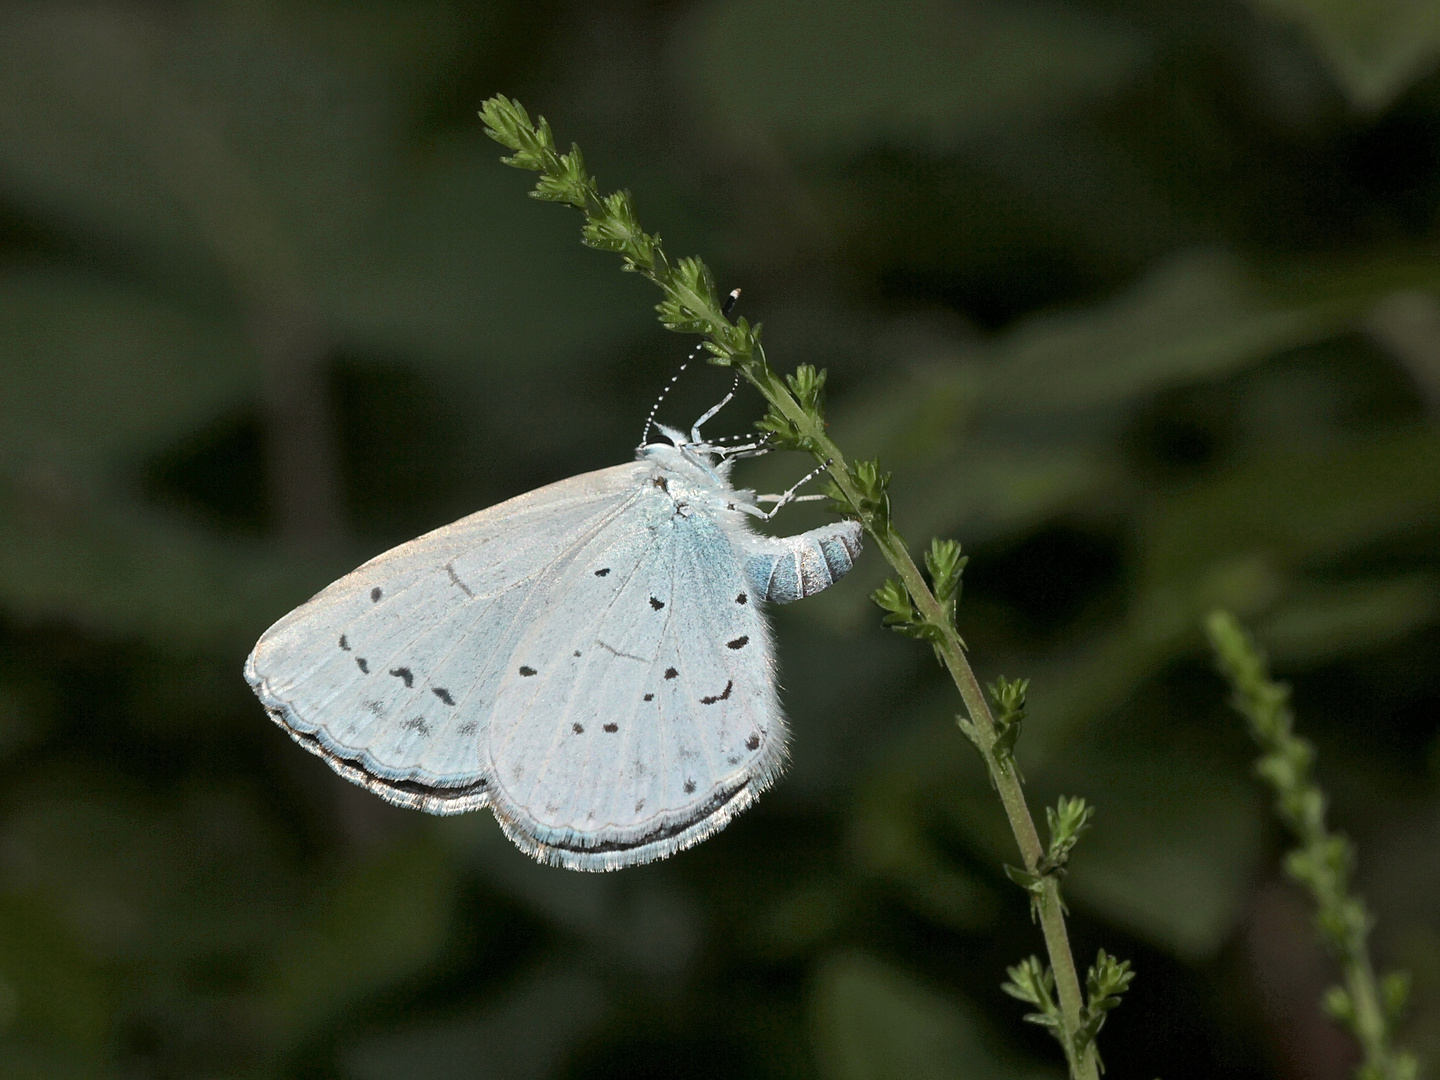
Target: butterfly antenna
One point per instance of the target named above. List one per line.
(725, 309)
(650, 420)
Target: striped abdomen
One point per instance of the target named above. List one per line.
(787, 568)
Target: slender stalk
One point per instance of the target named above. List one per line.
(1323, 860)
(795, 420)
(982, 721)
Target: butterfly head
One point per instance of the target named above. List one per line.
(683, 454)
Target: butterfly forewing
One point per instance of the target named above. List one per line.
(664, 725)
(390, 673)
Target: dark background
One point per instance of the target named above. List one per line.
(1138, 300)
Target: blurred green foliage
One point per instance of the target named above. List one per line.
(1137, 300)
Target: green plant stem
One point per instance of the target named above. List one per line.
(952, 653)
(692, 305)
(1323, 860)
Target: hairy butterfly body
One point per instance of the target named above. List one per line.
(591, 660)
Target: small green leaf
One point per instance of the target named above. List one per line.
(1067, 819)
(507, 122)
(1009, 699)
(1031, 982)
(1395, 993)
(1337, 1005)
(1107, 981)
(567, 182)
(1034, 983)
(1034, 884)
(895, 601)
(808, 386)
(945, 565)
(874, 505)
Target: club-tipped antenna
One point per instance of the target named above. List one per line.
(728, 306)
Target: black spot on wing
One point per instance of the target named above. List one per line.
(418, 726)
(442, 694)
(344, 644)
(375, 595)
(602, 571)
(612, 728)
(404, 673)
(360, 660)
(469, 727)
(689, 787)
(649, 697)
(742, 598)
(670, 673)
(729, 685)
(526, 671)
(753, 742)
(656, 604)
(578, 729)
(455, 580)
(577, 652)
(739, 643)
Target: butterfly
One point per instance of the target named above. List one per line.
(590, 660)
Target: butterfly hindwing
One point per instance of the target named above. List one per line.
(664, 725)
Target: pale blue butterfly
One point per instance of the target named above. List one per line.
(591, 660)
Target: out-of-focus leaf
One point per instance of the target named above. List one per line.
(141, 884)
(894, 834)
(1175, 841)
(206, 131)
(447, 260)
(65, 554)
(1316, 625)
(1178, 835)
(17, 724)
(871, 1022)
(845, 77)
(1294, 508)
(97, 375)
(1377, 48)
(1199, 316)
(1407, 323)
(804, 916)
(223, 138)
(55, 1002)
(640, 919)
(525, 1034)
(382, 919)
(992, 437)
(1240, 542)
(1399, 877)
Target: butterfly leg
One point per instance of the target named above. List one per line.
(790, 496)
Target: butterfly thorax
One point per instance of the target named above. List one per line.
(693, 479)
